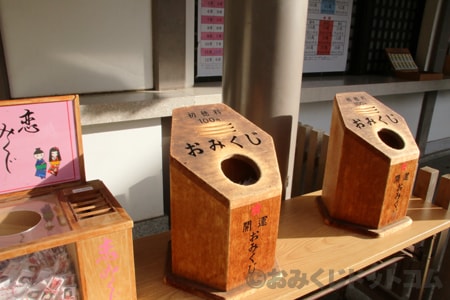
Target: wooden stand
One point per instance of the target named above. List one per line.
(225, 198)
(420, 76)
(105, 261)
(404, 66)
(96, 231)
(371, 163)
(62, 209)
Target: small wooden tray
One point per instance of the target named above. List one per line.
(404, 66)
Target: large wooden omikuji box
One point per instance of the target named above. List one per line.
(371, 163)
(225, 198)
(60, 236)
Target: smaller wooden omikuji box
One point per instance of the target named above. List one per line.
(48, 210)
(371, 163)
(225, 198)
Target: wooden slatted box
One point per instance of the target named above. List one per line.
(46, 203)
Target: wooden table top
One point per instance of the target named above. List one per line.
(306, 246)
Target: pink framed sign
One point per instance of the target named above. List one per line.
(40, 143)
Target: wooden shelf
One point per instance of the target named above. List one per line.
(305, 243)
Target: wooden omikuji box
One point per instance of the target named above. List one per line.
(225, 199)
(371, 163)
(47, 209)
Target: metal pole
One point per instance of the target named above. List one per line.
(262, 70)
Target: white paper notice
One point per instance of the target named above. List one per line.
(210, 38)
(327, 35)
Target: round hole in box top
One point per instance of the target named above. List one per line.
(241, 170)
(15, 222)
(391, 138)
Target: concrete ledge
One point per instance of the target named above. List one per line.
(137, 105)
(315, 89)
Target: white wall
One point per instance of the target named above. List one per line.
(127, 157)
(440, 124)
(58, 47)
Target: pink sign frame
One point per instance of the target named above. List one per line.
(40, 143)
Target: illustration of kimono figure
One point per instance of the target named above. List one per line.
(54, 167)
(54, 160)
(40, 165)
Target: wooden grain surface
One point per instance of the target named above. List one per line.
(101, 247)
(372, 159)
(225, 196)
(305, 244)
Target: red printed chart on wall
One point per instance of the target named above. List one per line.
(327, 35)
(210, 38)
(38, 143)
